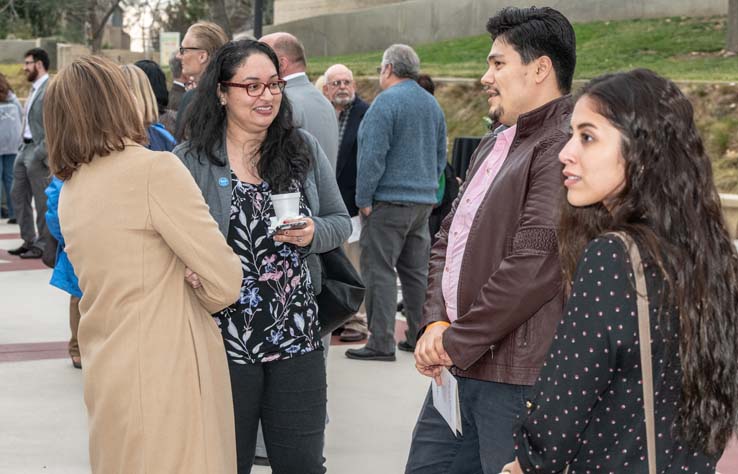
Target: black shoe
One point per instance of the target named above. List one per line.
(12, 220)
(261, 461)
(369, 354)
(33, 252)
(22, 249)
(405, 346)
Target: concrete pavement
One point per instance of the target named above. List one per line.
(372, 405)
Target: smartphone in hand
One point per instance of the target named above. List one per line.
(291, 225)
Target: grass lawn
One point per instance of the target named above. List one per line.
(679, 48)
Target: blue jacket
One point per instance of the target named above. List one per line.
(63, 276)
(160, 139)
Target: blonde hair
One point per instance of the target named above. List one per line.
(141, 89)
(208, 36)
(88, 113)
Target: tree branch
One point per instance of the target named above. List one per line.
(104, 20)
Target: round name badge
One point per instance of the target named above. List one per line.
(223, 182)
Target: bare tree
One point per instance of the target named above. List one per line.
(731, 45)
(98, 14)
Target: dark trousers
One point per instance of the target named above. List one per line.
(394, 236)
(289, 397)
(489, 413)
(31, 176)
(6, 181)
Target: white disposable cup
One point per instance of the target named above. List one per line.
(286, 206)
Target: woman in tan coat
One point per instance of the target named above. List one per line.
(156, 381)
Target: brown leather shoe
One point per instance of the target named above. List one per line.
(351, 335)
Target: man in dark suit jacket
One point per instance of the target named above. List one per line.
(339, 88)
(178, 83)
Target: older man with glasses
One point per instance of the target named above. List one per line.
(340, 90)
(402, 153)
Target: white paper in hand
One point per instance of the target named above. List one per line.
(446, 400)
(355, 229)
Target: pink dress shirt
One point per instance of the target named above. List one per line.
(465, 212)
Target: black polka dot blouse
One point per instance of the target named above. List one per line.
(587, 405)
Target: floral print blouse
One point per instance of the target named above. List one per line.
(276, 316)
(587, 405)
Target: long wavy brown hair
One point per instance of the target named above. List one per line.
(670, 206)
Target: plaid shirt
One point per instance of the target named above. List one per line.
(342, 121)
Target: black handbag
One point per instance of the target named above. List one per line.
(342, 292)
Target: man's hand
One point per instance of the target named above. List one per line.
(366, 211)
(430, 356)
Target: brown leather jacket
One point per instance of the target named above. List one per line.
(510, 294)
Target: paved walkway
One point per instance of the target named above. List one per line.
(372, 405)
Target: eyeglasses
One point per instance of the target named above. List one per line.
(182, 49)
(341, 82)
(379, 69)
(256, 89)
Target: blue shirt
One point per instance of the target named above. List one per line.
(402, 147)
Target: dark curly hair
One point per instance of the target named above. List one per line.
(536, 32)
(285, 157)
(670, 206)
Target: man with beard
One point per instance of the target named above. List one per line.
(340, 90)
(31, 170)
(495, 294)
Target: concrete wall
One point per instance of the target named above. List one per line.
(290, 10)
(730, 213)
(426, 21)
(12, 51)
(67, 53)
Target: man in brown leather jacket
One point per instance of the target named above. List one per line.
(495, 292)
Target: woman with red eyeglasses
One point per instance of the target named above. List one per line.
(243, 152)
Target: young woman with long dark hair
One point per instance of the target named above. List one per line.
(636, 164)
(244, 150)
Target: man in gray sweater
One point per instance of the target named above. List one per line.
(402, 153)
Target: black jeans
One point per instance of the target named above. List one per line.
(289, 397)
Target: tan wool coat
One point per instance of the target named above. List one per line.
(156, 381)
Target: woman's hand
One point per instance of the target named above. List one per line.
(299, 237)
(512, 468)
(192, 278)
